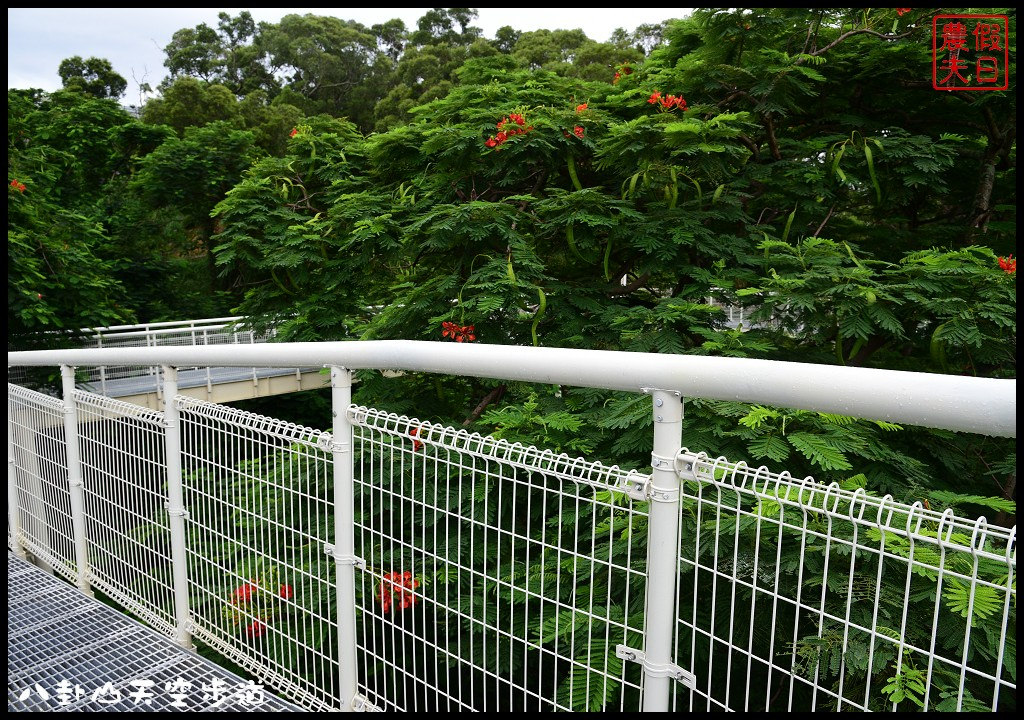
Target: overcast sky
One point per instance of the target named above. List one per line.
(133, 38)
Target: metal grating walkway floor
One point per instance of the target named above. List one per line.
(69, 652)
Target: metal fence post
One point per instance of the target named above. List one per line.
(662, 553)
(176, 508)
(344, 534)
(76, 487)
(13, 506)
(103, 368)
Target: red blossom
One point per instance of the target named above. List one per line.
(286, 592)
(256, 629)
(416, 444)
(580, 108)
(243, 593)
(19, 186)
(667, 101)
(294, 132)
(578, 131)
(616, 78)
(1008, 265)
(508, 127)
(458, 333)
(397, 588)
(903, 11)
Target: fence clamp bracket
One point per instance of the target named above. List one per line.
(361, 704)
(635, 486)
(328, 444)
(343, 559)
(656, 669)
(181, 512)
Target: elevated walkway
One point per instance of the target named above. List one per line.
(67, 652)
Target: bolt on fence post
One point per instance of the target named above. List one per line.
(76, 488)
(176, 508)
(662, 552)
(13, 507)
(344, 534)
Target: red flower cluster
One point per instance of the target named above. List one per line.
(581, 108)
(416, 444)
(19, 186)
(1008, 264)
(668, 101)
(578, 131)
(903, 11)
(256, 629)
(623, 69)
(505, 132)
(458, 333)
(244, 593)
(294, 132)
(397, 588)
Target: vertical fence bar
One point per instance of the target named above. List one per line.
(176, 508)
(13, 508)
(662, 552)
(344, 534)
(76, 487)
(103, 368)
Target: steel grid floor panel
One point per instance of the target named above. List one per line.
(68, 652)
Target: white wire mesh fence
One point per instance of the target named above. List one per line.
(261, 588)
(795, 596)
(493, 576)
(37, 478)
(127, 533)
(490, 579)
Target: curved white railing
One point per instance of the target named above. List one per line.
(969, 404)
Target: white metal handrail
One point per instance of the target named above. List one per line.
(969, 404)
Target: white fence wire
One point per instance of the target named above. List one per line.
(796, 596)
(37, 478)
(127, 534)
(261, 588)
(493, 576)
(490, 578)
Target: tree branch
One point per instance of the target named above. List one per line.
(773, 144)
(493, 396)
(820, 227)
(851, 33)
(627, 289)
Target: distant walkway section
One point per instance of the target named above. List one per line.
(140, 385)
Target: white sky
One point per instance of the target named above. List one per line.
(133, 38)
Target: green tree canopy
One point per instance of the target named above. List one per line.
(94, 76)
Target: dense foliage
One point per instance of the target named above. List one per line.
(541, 188)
